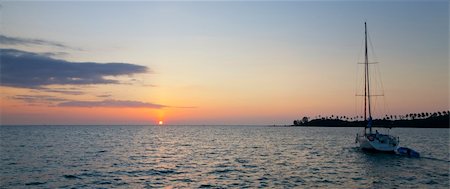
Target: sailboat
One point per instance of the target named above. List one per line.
(369, 140)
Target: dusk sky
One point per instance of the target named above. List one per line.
(216, 62)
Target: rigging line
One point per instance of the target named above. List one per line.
(373, 106)
(356, 88)
(386, 106)
(358, 82)
(359, 107)
(379, 80)
(372, 49)
(377, 87)
(378, 84)
(360, 50)
(358, 85)
(385, 99)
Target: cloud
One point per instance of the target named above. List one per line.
(53, 101)
(184, 107)
(54, 54)
(38, 99)
(104, 96)
(7, 40)
(111, 104)
(68, 91)
(32, 70)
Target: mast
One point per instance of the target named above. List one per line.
(365, 75)
(367, 85)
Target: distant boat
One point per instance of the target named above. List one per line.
(370, 140)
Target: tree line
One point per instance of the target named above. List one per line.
(422, 119)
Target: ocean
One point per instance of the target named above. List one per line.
(215, 157)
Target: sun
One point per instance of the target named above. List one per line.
(160, 123)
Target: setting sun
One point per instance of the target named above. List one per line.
(160, 122)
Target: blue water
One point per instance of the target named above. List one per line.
(215, 157)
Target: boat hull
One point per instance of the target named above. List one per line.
(384, 143)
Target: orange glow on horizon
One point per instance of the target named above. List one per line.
(160, 123)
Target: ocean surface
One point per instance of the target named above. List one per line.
(215, 157)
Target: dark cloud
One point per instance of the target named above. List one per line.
(38, 99)
(7, 40)
(53, 101)
(111, 103)
(68, 91)
(104, 96)
(32, 70)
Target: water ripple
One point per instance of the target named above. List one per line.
(213, 157)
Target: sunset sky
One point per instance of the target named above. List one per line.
(216, 62)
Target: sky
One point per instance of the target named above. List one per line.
(217, 62)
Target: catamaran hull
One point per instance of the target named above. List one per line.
(366, 144)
